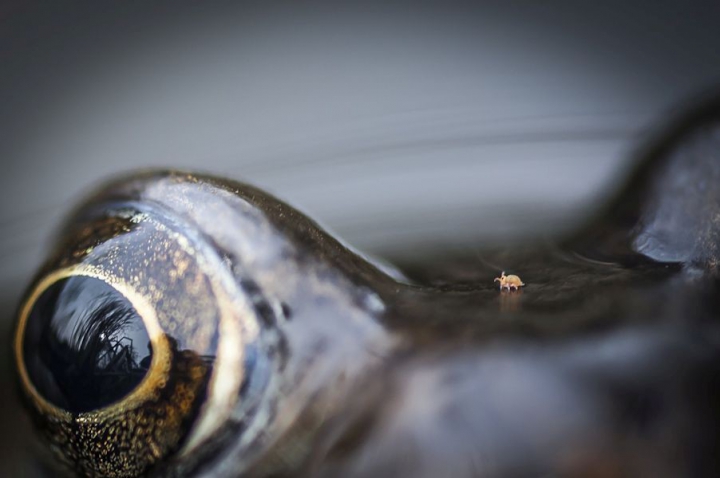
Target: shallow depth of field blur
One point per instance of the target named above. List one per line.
(405, 130)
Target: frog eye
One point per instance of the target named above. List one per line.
(132, 346)
(85, 345)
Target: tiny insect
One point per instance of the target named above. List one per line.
(511, 282)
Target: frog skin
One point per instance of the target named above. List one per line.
(277, 351)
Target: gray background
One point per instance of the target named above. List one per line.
(405, 130)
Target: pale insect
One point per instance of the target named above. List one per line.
(511, 282)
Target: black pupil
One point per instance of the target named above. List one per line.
(85, 345)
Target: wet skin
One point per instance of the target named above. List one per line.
(274, 350)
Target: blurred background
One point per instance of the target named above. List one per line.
(404, 129)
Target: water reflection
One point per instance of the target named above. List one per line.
(510, 300)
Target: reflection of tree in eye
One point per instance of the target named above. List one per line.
(93, 348)
(117, 356)
(101, 340)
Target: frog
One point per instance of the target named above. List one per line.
(190, 325)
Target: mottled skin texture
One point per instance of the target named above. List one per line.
(606, 364)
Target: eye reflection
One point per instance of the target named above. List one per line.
(85, 345)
